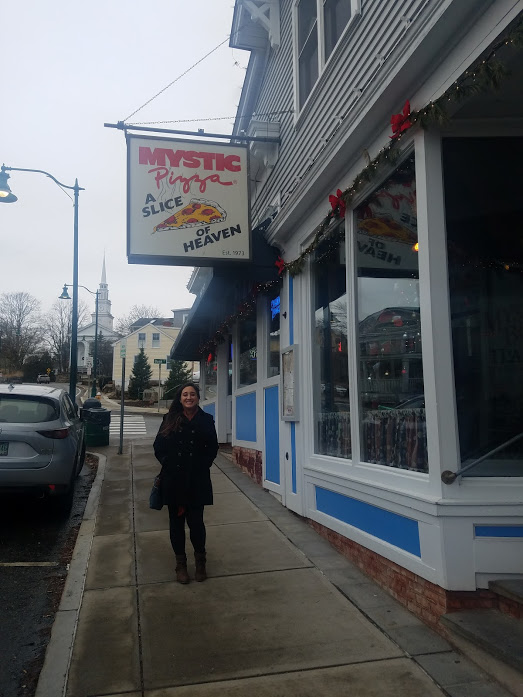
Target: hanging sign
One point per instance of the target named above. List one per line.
(187, 202)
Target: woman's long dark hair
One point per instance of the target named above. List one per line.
(173, 421)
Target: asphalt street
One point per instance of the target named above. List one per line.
(35, 550)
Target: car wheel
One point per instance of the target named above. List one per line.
(81, 459)
(63, 503)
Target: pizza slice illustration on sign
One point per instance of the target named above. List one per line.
(196, 213)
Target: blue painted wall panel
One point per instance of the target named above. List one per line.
(392, 528)
(246, 417)
(498, 530)
(272, 435)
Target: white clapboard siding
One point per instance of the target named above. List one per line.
(379, 31)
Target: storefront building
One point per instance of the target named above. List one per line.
(383, 352)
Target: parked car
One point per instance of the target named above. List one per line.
(42, 443)
(43, 378)
(417, 402)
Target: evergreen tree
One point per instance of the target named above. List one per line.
(104, 360)
(178, 374)
(140, 379)
(36, 365)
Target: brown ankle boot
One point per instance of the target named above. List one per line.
(181, 569)
(200, 573)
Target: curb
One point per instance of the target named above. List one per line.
(133, 410)
(55, 671)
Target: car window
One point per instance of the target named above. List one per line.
(16, 410)
(68, 407)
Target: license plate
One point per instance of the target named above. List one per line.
(4, 447)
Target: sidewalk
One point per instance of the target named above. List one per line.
(282, 614)
(115, 406)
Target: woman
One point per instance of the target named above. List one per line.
(186, 446)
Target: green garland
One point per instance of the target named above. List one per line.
(485, 75)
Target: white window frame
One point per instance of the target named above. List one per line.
(368, 474)
(155, 341)
(322, 61)
(142, 342)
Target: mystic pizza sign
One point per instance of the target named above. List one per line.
(187, 202)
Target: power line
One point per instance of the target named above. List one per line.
(180, 76)
(213, 118)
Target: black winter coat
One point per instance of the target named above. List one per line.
(186, 457)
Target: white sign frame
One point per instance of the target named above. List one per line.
(188, 202)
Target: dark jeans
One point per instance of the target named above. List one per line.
(194, 517)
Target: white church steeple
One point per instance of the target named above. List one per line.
(105, 318)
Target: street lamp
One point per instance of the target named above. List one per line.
(65, 296)
(6, 196)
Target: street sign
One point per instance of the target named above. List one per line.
(89, 362)
(123, 348)
(160, 360)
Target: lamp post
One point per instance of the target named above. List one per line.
(65, 296)
(6, 196)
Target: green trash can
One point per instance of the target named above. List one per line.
(97, 421)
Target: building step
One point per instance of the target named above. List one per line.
(499, 635)
(508, 588)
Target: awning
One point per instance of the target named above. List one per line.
(224, 292)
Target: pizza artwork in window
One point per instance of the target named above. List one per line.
(387, 227)
(196, 213)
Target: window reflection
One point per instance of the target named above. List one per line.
(273, 339)
(392, 413)
(331, 387)
(248, 352)
(230, 364)
(210, 380)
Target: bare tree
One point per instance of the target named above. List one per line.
(124, 324)
(20, 327)
(57, 330)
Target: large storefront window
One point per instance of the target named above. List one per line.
(248, 357)
(273, 338)
(392, 403)
(485, 255)
(331, 384)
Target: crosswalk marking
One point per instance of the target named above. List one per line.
(133, 424)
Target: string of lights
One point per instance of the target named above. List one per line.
(485, 75)
(468, 83)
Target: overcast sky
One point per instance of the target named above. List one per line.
(69, 67)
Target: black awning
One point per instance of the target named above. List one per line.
(224, 292)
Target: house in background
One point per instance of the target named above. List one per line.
(156, 336)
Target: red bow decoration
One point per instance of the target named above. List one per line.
(337, 202)
(401, 122)
(280, 265)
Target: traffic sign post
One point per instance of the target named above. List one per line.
(122, 402)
